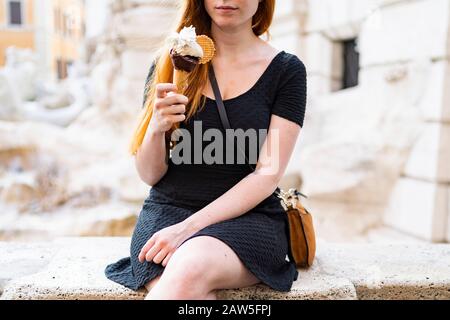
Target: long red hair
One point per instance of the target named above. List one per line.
(191, 12)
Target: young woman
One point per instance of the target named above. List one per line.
(206, 227)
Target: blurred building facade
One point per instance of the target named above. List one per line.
(377, 134)
(374, 153)
(375, 147)
(54, 29)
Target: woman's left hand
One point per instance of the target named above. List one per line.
(161, 246)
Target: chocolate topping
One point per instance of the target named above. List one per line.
(185, 63)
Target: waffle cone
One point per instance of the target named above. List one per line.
(180, 79)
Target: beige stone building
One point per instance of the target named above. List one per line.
(54, 29)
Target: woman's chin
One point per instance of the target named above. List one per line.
(226, 24)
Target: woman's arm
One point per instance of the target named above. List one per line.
(152, 156)
(257, 186)
(244, 196)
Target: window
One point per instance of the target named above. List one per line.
(69, 65)
(61, 68)
(345, 64)
(351, 64)
(66, 25)
(15, 13)
(57, 20)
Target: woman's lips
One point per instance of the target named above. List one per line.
(226, 9)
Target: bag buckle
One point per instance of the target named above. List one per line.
(289, 198)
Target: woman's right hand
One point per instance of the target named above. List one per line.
(169, 108)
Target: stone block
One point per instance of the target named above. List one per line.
(430, 156)
(407, 33)
(419, 208)
(19, 259)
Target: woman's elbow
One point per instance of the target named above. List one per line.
(272, 179)
(152, 179)
(149, 177)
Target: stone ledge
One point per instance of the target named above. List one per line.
(341, 271)
(21, 259)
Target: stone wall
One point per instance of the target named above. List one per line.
(376, 153)
(78, 179)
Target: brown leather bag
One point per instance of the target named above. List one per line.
(302, 236)
(302, 239)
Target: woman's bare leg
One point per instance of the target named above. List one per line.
(200, 266)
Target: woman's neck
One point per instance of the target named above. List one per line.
(231, 43)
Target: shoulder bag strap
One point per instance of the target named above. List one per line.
(225, 121)
(221, 108)
(223, 112)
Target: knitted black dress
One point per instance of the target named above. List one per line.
(260, 237)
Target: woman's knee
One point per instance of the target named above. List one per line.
(187, 269)
(190, 266)
(181, 281)
(206, 263)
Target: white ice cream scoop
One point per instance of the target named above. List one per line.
(185, 42)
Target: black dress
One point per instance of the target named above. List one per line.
(260, 236)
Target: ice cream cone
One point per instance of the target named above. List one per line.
(187, 51)
(180, 79)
